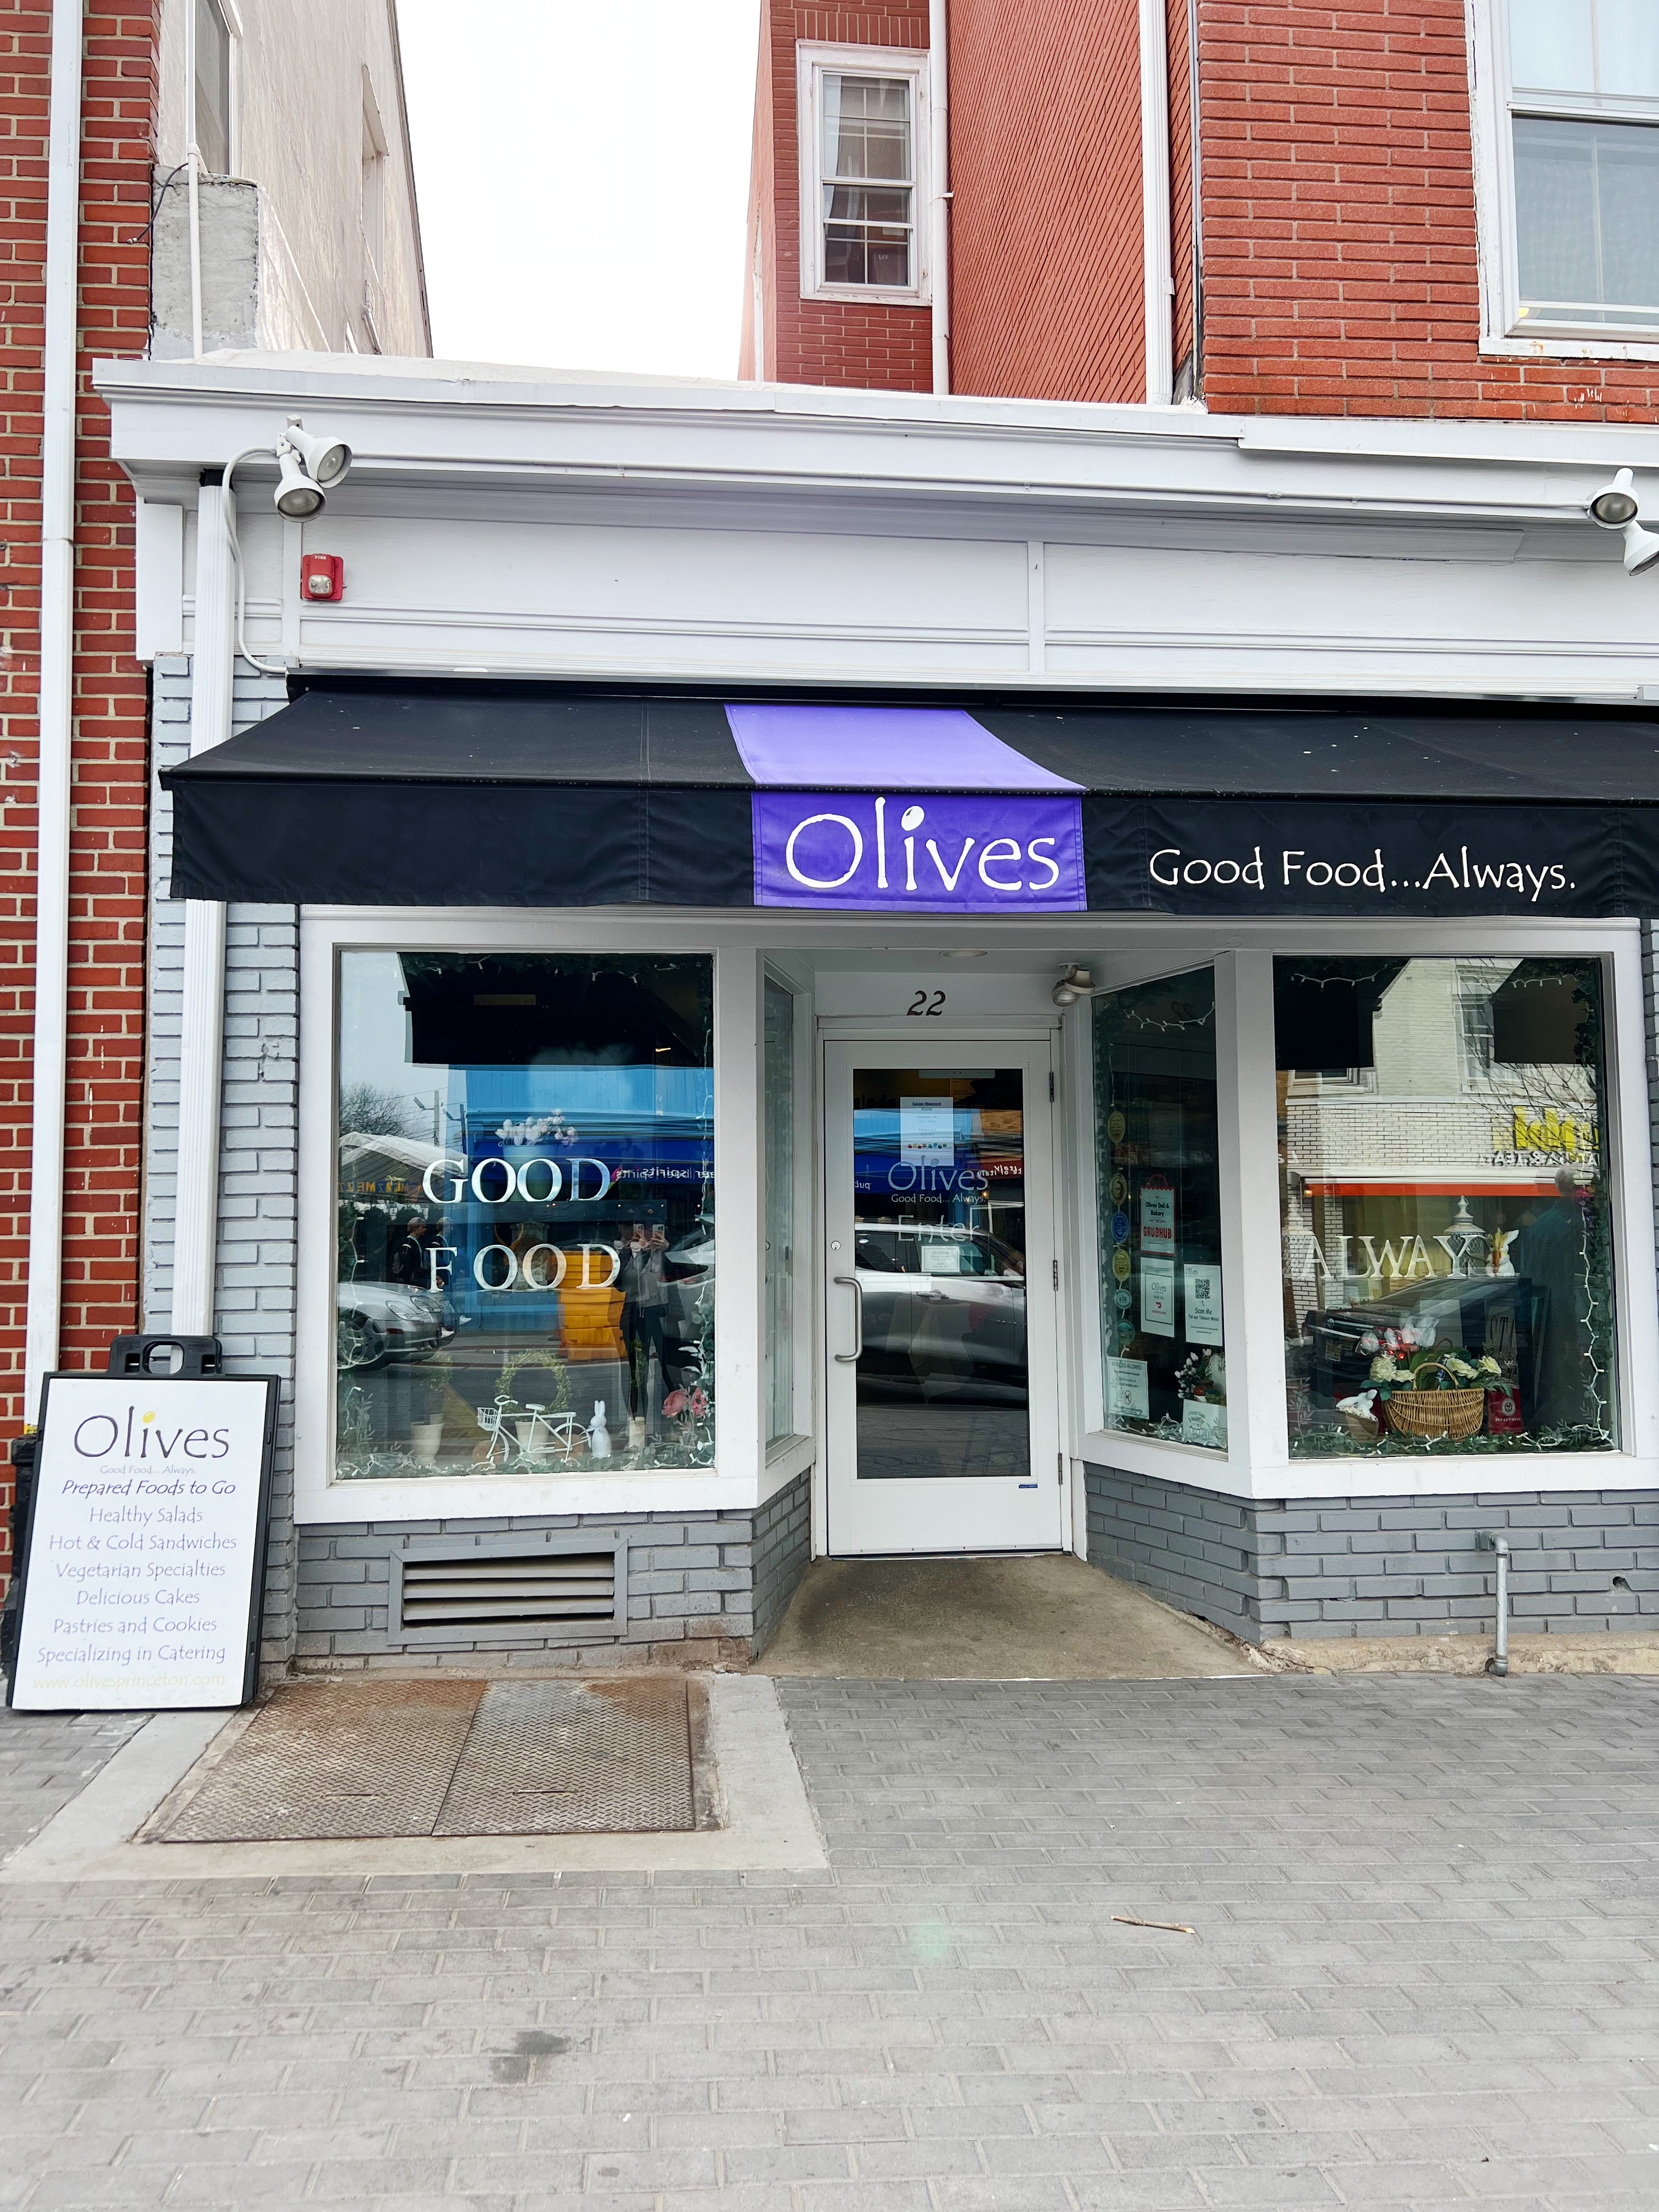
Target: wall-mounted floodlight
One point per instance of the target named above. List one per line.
(326, 459)
(1078, 983)
(297, 495)
(1616, 503)
(1641, 549)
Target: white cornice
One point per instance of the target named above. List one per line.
(430, 431)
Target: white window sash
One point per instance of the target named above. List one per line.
(1494, 105)
(814, 64)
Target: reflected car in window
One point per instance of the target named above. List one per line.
(944, 1316)
(378, 1321)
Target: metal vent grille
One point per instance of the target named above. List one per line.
(530, 1588)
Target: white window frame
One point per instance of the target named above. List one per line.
(1503, 332)
(1257, 1462)
(788, 1456)
(738, 1477)
(812, 63)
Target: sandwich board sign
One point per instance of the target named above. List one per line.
(145, 1570)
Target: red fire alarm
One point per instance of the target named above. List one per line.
(322, 576)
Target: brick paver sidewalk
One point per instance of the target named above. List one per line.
(1425, 1974)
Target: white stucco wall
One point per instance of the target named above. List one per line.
(304, 73)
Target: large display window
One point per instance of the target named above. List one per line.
(1158, 1185)
(1448, 1236)
(525, 1230)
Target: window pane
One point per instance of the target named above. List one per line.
(1448, 1240)
(1587, 210)
(1160, 1210)
(1627, 48)
(1552, 46)
(854, 255)
(779, 1213)
(525, 1246)
(866, 130)
(212, 108)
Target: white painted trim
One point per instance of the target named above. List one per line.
(158, 579)
(812, 59)
(1251, 1240)
(1155, 245)
(798, 1449)
(737, 1480)
(739, 1221)
(1505, 333)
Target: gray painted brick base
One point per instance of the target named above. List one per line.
(1584, 1561)
(701, 1587)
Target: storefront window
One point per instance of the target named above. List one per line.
(779, 1213)
(1160, 1212)
(1448, 1235)
(526, 1267)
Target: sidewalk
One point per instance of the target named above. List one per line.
(1425, 1974)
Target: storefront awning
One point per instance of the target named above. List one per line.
(420, 794)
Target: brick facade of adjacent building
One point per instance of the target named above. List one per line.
(882, 346)
(1046, 282)
(110, 790)
(1336, 234)
(1340, 273)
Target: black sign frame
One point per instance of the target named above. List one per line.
(261, 1547)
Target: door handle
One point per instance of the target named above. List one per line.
(847, 1359)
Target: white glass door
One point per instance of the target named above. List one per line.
(942, 1301)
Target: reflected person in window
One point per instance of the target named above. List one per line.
(644, 1286)
(1550, 1251)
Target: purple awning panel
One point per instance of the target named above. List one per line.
(833, 748)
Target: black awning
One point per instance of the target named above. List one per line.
(415, 793)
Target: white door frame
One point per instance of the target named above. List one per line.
(975, 1514)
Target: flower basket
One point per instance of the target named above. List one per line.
(1455, 1413)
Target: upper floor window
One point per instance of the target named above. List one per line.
(862, 132)
(212, 112)
(1582, 83)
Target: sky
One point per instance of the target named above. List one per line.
(582, 167)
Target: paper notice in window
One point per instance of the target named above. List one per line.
(1203, 1287)
(1157, 1221)
(1157, 1296)
(1125, 1390)
(1203, 1422)
(926, 1132)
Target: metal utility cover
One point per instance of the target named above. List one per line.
(380, 1756)
(353, 1758)
(570, 1758)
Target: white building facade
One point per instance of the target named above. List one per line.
(1127, 931)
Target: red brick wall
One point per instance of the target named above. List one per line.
(1338, 223)
(106, 996)
(824, 341)
(1045, 218)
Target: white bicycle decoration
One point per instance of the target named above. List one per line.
(525, 1435)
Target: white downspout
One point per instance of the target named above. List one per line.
(1155, 202)
(194, 183)
(57, 708)
(201, 1024)
(938, 167)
